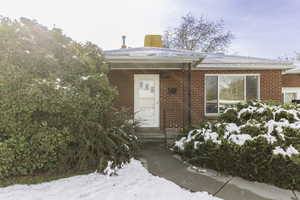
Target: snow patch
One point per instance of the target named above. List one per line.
(289, 151)
(232, 127)
(180, 143)
(249, 109)
(133, 182)
(110, 170)
(240, 139)
(85, 78)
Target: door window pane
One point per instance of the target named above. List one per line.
(252, 87)
(146, 88)
(211, 94)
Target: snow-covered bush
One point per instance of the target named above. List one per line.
(56, 104)
(256, 140)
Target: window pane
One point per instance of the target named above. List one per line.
(231, 88)
(211, 89)
(252, 87)
(289, 96)
(146, 89)
(231, 91)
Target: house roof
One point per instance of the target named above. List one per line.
(152, 55)
(296, 70)
(201, 61)
(222, 61)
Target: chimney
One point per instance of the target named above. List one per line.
(123, 45)
(153, 41)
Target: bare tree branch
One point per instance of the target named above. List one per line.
(198, 34)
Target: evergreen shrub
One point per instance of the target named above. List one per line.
(57, 105)
(259, 141)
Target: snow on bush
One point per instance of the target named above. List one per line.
(289, 151)
(112, 169)
(133, 182)
(257, 134)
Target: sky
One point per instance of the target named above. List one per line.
(262, 28)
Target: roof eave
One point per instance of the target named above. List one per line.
(152, 60)
(242, 66)
(202, 66)
(291, 72)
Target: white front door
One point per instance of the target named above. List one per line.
(146, 99)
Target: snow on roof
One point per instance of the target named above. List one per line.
(152, 53)
(222, 58)
(296, 70)
(209, 60)
(148, 51)
(222, 61)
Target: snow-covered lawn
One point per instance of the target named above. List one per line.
(133, 182)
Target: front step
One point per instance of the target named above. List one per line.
(150, 136)
(149, 130)
(155, 134)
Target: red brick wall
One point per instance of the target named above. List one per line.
(123, 80)
(270, 88)
(291, 80)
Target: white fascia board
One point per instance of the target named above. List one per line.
(152, 60)
(143, 68)
(296, 72)
(243, 66)
(292, 71)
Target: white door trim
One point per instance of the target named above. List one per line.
(154, 77)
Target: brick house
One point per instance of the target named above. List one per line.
(176, 88)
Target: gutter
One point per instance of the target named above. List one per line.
(242, 66)
(151, 59)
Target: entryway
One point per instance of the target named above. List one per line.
(146, 99)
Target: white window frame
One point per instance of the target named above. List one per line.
(226, 75)
(291, 90)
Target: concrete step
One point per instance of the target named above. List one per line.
(154, 134)
(149, 130)
(156, 138)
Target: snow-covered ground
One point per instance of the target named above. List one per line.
(133, 182)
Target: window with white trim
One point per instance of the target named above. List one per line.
(222, 90)
(289, 97)
(290, 94)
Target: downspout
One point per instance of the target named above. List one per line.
(189, 96)
(183, 97)
(190, 65)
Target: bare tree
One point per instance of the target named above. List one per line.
(198, 34)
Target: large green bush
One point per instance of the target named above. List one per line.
(259, 141)
(56, 104)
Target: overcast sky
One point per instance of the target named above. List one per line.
(263, 28)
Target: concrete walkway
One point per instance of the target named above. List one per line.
(163, 163)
